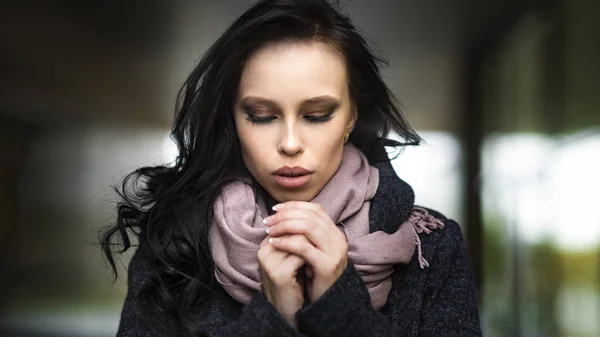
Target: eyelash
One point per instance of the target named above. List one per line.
(311, 119)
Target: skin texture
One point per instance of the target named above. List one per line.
(289, 75)
(294, 109)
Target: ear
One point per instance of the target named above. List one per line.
(352, 121)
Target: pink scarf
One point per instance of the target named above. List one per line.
(237, 231)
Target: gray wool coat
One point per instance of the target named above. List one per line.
(436, 301)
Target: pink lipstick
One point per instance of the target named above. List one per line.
(292, 177)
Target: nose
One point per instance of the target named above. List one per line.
(290, 142)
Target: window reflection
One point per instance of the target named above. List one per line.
(434, 171)
(540, 196)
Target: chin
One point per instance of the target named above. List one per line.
(294, 196)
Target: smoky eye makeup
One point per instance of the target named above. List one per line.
(312, 112)
(313, 118)
(258, 115)
(260, 120)
(321, 116)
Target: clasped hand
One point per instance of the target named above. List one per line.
(300, 233)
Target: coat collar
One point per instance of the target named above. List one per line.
(392, 203)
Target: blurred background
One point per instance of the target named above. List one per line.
(505, 93)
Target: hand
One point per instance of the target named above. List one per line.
(304, 229)
(279, 270)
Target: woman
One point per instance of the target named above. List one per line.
(282, 215)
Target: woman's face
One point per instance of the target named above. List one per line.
(293, 109)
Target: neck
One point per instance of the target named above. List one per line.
(262, 193)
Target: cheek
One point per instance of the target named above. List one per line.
(327, 139)
(328, 148)
(245, 139)
(334, 155)
(252, 147)
(247, 147)
(244, 133)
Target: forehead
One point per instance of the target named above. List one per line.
(294, 71)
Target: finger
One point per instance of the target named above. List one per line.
(284, 261)
(306, 210)
(316, 234)
(300, 246)
(293, 263)
(268, 252)
(303, 205)
(264, 242)
(265, 250)
(268, 255)
(290, 214)
(297, 205)
(282, 267)
(309, 271)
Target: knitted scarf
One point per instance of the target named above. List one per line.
(237, 230)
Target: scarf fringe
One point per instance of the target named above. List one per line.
(422, 221)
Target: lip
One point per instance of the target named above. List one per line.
(292, 182)
(292, 177)
(292, 171)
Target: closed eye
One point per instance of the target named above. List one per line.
(260, 120)
(310, 118)
(319, 119)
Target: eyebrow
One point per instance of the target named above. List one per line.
(325, 99)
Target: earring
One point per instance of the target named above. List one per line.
(346, 137)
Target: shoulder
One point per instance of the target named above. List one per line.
(140, 270)
(451, 228)
(448, 282)
(442, 242)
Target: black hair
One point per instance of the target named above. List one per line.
(169, 208)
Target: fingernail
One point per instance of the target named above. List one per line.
(268, 231)
(278, 206)
(267, 220)
(271, 240)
